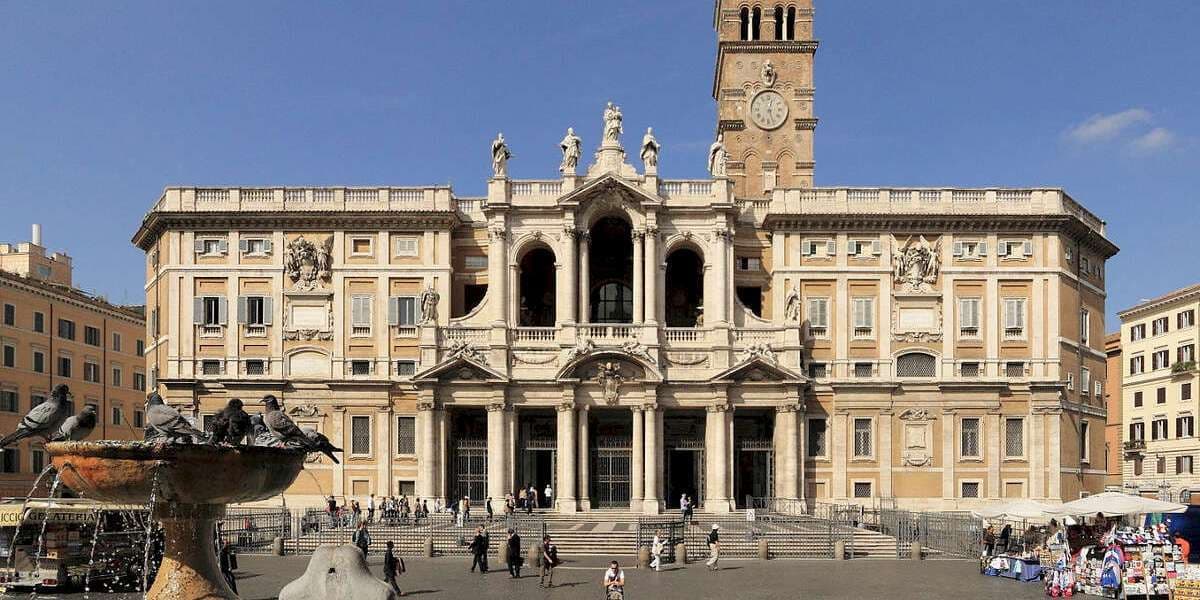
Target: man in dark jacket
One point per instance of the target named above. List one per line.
(362, 537)
(512, 554)
(392, 566)
(479, 548)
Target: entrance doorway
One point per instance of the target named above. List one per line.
(537, 460)
(754, 457)
(468, 455)
(683, 458)
(611, 458)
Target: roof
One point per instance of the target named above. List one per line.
(74, 294)
(1179, 293)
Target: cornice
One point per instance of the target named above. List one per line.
(156, 223)
(69, 296)
(757, 47)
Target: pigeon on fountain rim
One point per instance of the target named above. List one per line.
(45, 419)
(281, 425)
(165, 423)
(231, 424)
(78, 427)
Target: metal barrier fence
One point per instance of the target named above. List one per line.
(252, 530)
(787, 536)
(448, 535)
(948, 535)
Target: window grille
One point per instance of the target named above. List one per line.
(915, 364)
(863, 369)
(970, 437)
(862, 489)
(9, 401)
(970, 489)
(406, 368)
(862, 437)
(255, 367)
(817, 370)
(817, 436)
(360, 367)
(970, 369)
(406, 435)
(360, 435)
(1014, 437)
(210, 367)
(1014, 369)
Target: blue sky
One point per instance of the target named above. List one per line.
(104, 104)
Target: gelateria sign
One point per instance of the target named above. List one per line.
(11, 514)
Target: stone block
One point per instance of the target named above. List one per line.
(764, 550)
(337, 573)
(681, 556)
(839, 550)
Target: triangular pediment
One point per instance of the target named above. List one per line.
(759, 370)
(608, 187)
(459, 369)
(631, 367)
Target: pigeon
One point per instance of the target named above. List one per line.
(165, 423)
(282, 425)
(45, 419)
(259, 435)
(317, 442)
(78, 427)
(231, 424)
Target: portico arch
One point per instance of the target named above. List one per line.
(684, 293)
(610, 270)
(536, 287)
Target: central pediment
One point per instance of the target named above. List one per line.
(608, 188)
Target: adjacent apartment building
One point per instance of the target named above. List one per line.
(626, 338)
(1159, 406)
(52, 333)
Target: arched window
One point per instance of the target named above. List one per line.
(791, 23)
(745, 22)
(779, 28)
(613, 303)
(916, 364)
(755, 23)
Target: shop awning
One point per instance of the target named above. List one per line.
(1017, 509)
(1113, 504)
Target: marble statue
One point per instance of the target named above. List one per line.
(571, 150)
(612, 123)
(791, 306)
(500, 156)
(917, 263)
(650, 149)
(429, 300)
(717, 156)
(768, 74)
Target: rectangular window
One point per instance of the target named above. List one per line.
(1014, 438)
(1137, 465)
(1185, 391)
(1137, 332)
(402, 311)
(360, 246)
(1185, 354)
(1137, 365)
(139, 381)
(1085, 430)
(116, 415)
(39, 322)
(406, 368)
(64, 366)
(405, 245)
(748, 263)
(139, 348)
(11, 462)
(816, 437)
(1160, 465)
(970, 249)
(360, 315)
(10, 356)
(1186, 318)
(1015, 248)
(1014, 318)
(818, 316)
(9, 401)
(863, 370)
(1160, 326)
(1085, 325)
(37, 459)
(116, 342)
(256, 367)
(255, 246)
(39, 361)
(116, 377)
(1137, 431)
(864, 317)
(139, 419)
(1158, 429)
(91, 336)
(1085, 381)
(968, 317)
(1183, 465)
(254, 312)
(817, 370)
(862, 437)
(862, 489)
(212, 311)
(969, 369)
(819, 248)
(1014, 370)
(969, 441)
(211, 246)
(210, 367)
(475, 261)
(10, 315)
(360, 367)
(970, 489)
(1070, 382)
(1161, 359)
(360, 435)
(1160, 395)
(36, 399)
(91, 372)
(66, 329)
(1185, 426)
(154, 326)
(406, 435)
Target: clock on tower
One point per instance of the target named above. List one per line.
(764, 91)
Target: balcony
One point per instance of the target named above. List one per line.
(1134, 445)
(534, 335)
(1183, 367)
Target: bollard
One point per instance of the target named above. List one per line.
(764, 551)
(428, 547)
(839, 550)
(915, 551)
(533, 556)
(681, 553)
(643, 557)
(277, 546)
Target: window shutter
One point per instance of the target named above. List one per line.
(198, 310)
(983, 248)
(223, 246)
(876, 247)
(243, 245)
(831, 248)
(1009, 314)
(242, 309)
(1020, 313)
(268, 309)
(850, 249)
(1028, 248)
(222, 310)
(393, 311)
(958, 248)
(1002, 249)
(267, 244)
(198, 245)
(806, 249)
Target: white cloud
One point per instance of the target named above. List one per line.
(1106, 127)
(1155, 139)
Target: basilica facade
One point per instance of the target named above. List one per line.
(626, 339)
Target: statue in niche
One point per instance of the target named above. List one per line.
(429, 300)
(609, 377)
(768, 74)
(572, 148)
(791, 306)
(717, 157)
(500, 156)
(650, 149)
(917, 263)
(307, 264)
(612, 123)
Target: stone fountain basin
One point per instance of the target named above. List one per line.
(129, 472)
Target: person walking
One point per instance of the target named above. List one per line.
(464, 507)
(548, 496)
(356, 509)
(656, 551)
(488, 508)
(479, 548)
(371, 510)
(227, 562)
(393, 566)
(549, 560)
(714, 547)
(512, 554)
(331, 507)
(362, 537)
(530, 499)
(688, 507)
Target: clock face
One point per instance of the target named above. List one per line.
(768, 109)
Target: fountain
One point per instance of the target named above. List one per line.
(188, 487)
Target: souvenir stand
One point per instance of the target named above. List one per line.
(1017, 559)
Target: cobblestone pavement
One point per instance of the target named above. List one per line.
(260, 578)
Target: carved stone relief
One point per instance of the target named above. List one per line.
(308, 264)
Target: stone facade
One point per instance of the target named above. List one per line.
(1158, 341)
(628, 339)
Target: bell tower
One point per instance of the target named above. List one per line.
(763, 86)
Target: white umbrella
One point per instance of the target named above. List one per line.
(1112, 504)
(1017, 509)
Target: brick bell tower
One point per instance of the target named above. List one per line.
(764, 91)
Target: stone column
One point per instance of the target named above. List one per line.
(427, 450)
(565, 309)
(585, 277)
(441, 425)
(564, 496)
(652, 454)
(802, 451)
(716, 457)
(637, 475)
(720, 273)
(785, 420)
(496, 449)
(639, 276)
(651, 266)
(585, 491)
(498, 272)
(1054, 468)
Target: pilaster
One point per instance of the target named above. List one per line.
(639, 276)
(651, 504)
(585, 498)
(497, 461)
(948, 456)
(638, 462)
(716, 457)
(885, 454)
(564, 496)
(585, 285)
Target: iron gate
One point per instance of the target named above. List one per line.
(696, 449)
(470, 469)
(761, 456)
(611, 462)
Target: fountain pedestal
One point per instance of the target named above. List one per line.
(188, 487)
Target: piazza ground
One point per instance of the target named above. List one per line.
(260, 578)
